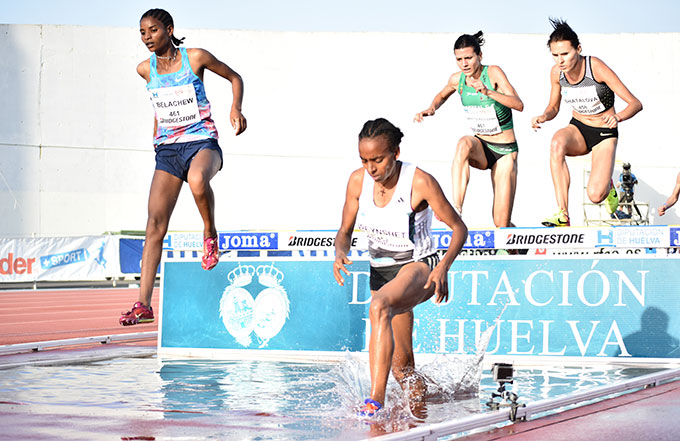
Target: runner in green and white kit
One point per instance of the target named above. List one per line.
(488, 99)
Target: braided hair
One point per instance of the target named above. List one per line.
(164, 17)
(381, 126)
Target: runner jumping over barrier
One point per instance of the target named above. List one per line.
(185, 139)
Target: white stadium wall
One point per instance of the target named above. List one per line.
(75, 124)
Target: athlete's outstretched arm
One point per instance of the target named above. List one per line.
(200, 60)
(427, 189)
(343, 238)
(672, 199)
(439, 98)
(553, 108)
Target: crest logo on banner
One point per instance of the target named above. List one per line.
(264, 315)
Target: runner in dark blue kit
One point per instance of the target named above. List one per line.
(185, 139)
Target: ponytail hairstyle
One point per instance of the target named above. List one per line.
(164, 17)
(377, 127)
(562, 32)
(474, 41)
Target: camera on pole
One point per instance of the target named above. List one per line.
(626, 196)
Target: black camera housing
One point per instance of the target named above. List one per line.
(502, 372)
(626, 177)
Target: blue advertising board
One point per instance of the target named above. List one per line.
(130, 254)
(575, 307)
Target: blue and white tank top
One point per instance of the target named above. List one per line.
(396, 234)
(587, 97)
(181, 106)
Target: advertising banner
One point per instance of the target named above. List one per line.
(608, 307)
(131, 255)
(646, 236)
(102, 257)
(58, 258)
(305, 240)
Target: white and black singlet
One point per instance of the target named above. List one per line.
(396, 234)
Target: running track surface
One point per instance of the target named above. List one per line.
(40, 315)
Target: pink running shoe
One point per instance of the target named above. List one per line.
(140, 314)
(211, 253)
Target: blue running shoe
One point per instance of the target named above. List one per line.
(370, 408)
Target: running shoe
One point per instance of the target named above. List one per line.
(211, 253)
(370, 408)
(612, 201)
(140, 314)
(559, 219)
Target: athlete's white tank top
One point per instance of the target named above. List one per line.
(396, 234)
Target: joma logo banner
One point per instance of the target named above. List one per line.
(249, 241)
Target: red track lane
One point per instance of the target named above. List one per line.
(651, 414)
(39, 315)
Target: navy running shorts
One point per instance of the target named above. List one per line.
(175, 158)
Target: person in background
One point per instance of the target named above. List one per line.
(626, 183)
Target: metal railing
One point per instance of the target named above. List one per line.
(52, 344)
(433, 432)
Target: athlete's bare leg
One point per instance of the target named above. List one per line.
(504, 182)
(163, 195)
(469, 152)
(566, 142)
(397, 297)
(601, 169)
(404, 366)
(203, 168)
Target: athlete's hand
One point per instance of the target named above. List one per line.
(238, 121)
(611, 120)
(439, 277)
(662, 210)
(420, 115)
(477, 84)
(537, 121)
(339, 265)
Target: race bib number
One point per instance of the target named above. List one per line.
(482, 120)
(583, 100)
(175, 106)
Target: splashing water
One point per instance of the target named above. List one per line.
(458, 376)
(263, 400)
(447, 378)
